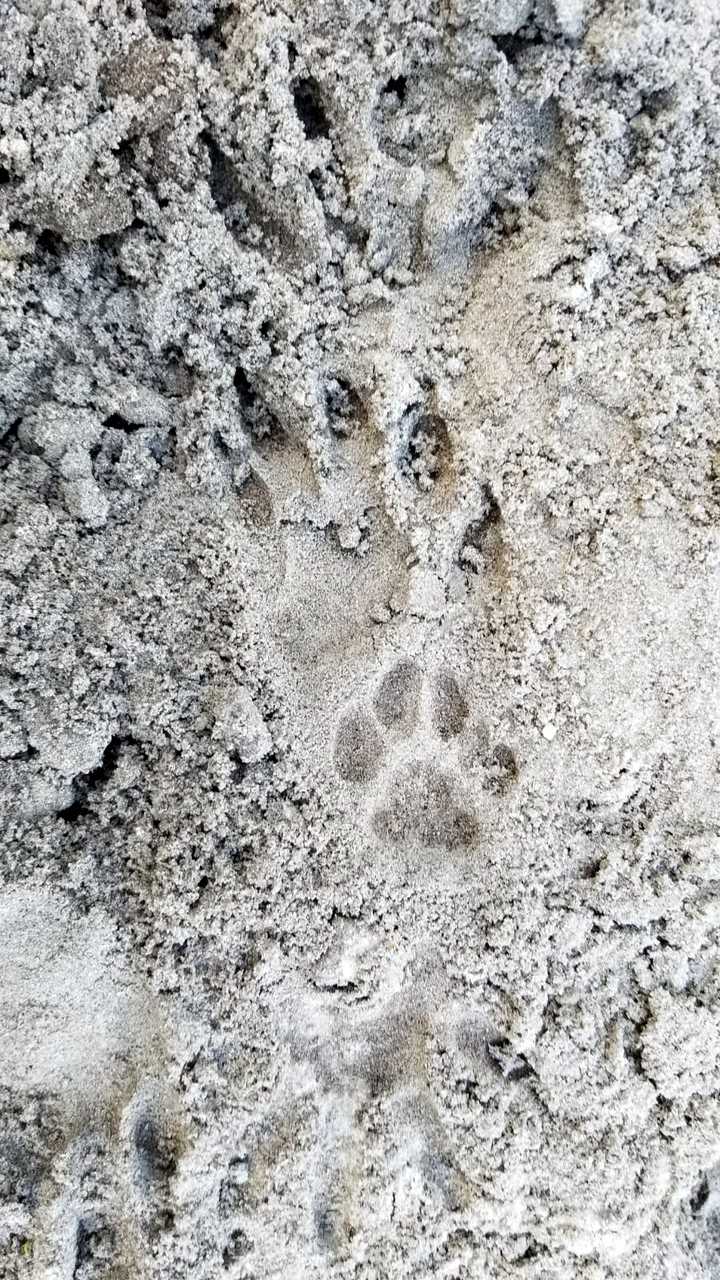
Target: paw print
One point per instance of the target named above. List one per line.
(369, 1054)
(419, 802)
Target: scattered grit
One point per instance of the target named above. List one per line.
(360, 689)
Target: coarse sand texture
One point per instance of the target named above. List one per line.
(359, 639)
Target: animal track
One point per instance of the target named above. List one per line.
(397, 699)
(358, 746)
(422, 805)
(449, 708)
(428, 456)
(427, 808)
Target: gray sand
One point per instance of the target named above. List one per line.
(359, 666)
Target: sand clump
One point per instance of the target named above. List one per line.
(359, 509)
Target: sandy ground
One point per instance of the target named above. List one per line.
(359, 666)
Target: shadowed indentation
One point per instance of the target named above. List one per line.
(397, 698)
(358, 746)
(449, 706)
(86, 783)
(425, 808)
(309, 106)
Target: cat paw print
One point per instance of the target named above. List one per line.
(399, 748)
